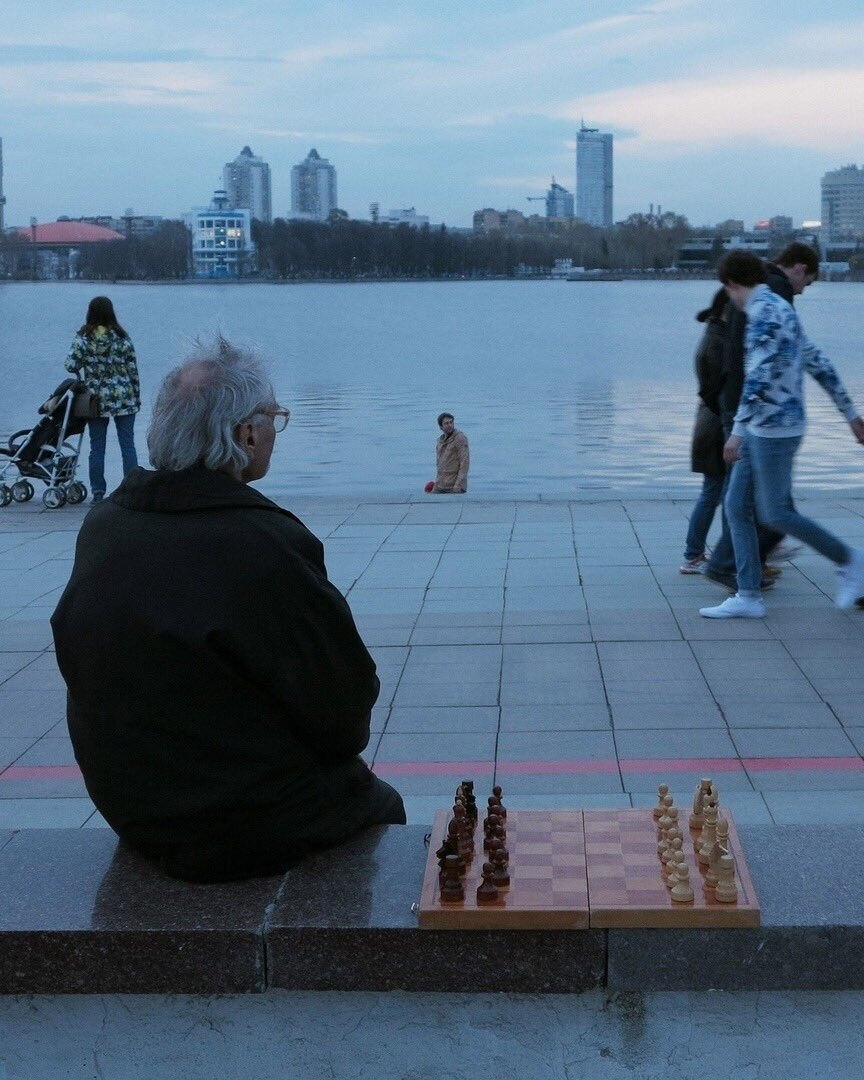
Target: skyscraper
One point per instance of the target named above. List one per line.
(246, 181)
(594, 176)
(313, 188)
(843, 203)
(559, 201)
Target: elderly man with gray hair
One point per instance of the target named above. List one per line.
(219, 692)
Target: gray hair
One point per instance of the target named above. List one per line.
(201, 402)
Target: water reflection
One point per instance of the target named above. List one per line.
(560, 388)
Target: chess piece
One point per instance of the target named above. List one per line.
(726, 891)
(502, 809)
(709, 835)
(697, 817)
(682, 891)
(674, 834)
(470, 801)
(454, 843)
(487, 890)
(452, 889)
(662, 792)
(464, 837)
(501, 876)
(722, 834)
(662, 847)
(490, 829)
(674, 866)
(665, 821)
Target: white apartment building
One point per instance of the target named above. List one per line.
(843, 204)
(246, 180)
(594, 176)
(408, 216)
(313, 188)
(221, 239)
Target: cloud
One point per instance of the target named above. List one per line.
(349, 137)
(811, 109)
(528, 183)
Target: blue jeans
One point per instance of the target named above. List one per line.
(98, 435)
(709, 499)
(761, 486)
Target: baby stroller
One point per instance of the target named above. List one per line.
(49, 451)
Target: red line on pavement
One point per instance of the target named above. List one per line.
(581, 766)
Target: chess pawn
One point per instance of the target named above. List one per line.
(502, 809)
(487, 890)
(671, 847)
(452, 889)
(674, 834)
(455, 843)
(697, 818)
(665, 821)
(465, 839)
(490, 829)
(674, 867)
(709, 835)
(726, 891)
(662, 792)
(501, 876)
(682, 891)
(662, 847)
(722, 834)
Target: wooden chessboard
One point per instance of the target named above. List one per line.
(571, 869)
(625, 886)
(548, 888)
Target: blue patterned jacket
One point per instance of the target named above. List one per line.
(776, 357)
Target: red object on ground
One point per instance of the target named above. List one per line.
(429, 487)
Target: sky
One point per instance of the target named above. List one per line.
(719, 110)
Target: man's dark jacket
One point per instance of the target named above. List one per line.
(219, 692)
(706, 451)
(730, 396)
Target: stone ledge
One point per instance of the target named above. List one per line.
(80, 914)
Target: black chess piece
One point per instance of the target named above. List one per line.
(452, 889)
(487, 890)
(501, 873)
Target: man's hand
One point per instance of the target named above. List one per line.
(732, 449)
(857, 426)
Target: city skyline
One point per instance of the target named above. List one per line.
(447, 113)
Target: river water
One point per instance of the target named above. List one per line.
(563, 388)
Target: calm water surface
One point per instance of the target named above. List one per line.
(563, 388)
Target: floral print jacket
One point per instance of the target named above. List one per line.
(777, 353)
(107, 365)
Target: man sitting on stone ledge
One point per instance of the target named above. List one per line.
(219, 692)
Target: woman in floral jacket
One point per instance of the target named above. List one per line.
(104, 355)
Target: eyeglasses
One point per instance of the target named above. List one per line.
(280, 418)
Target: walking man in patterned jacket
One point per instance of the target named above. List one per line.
(766, 434)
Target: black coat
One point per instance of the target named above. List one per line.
(706, 452)
(733, 363)
(219, 691)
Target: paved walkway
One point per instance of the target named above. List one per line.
(551, 645)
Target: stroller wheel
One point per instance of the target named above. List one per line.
(76, 493)
(53, 498)
(5, 495)
(22, 491)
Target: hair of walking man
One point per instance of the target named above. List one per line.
(796, 253)
(741, 267)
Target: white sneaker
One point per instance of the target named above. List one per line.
(850, 580)
(736, 607)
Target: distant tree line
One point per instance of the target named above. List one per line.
(159, 255)
(343, 248)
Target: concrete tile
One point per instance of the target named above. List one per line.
(696, 628)
(792, 742)
(386, 601)
(44, 813)
(636, 781)
(30, 712)
(545, 617)
(440, 694)
(788, 714)
(636, 691)
(638, 576)
(457, 635)
(808, 780)
(680, 743)
(770, 690)
(554, 718)
(12, 749)
(48, 751)
(816, 807)
(850, 710)
(437, 746)
(554, 746)
(556, 784)
(643, 650)
(733, 652)
(581, 692)
(678, 669)
(441, 784)
(25, 636)
(535, 634)
(455, 719)
(666, 715)
(634, 626)
(450, 673)
(479, 656)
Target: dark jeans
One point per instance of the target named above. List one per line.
(98, 437)
(703, 514)
(269, 848)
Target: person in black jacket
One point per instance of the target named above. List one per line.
(794, 269)
(706, 454)
(219, 694)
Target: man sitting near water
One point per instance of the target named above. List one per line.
(451, 454)
(219, 692)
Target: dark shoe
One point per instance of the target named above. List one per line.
(860, 602)
(98, 496)
(730, 581)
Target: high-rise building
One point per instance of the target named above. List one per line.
(246, 179)
(594, 176)
(843, 203)
(559, 201)
(313, 188)
(2, 196)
